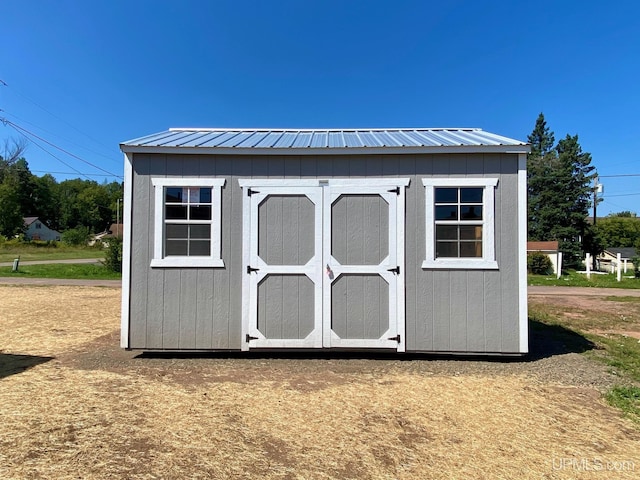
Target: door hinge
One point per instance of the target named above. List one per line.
(251, 192)
(248, 338)
(396, 190)
(396, 338)
(394, 270)
(249, 269)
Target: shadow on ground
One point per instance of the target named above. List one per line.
(544, 341)
(12, 364)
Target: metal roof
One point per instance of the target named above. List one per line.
(319, 139)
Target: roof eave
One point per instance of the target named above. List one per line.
(513, 149)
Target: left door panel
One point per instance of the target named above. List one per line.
(285, 267)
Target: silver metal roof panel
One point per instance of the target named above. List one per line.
(288, 139)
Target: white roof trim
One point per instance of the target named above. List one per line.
(329, 150)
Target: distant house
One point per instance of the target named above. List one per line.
(36, 230)
(609, 257)
(550, 249)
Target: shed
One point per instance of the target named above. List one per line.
(407, 240)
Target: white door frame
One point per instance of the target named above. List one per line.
(323, 193)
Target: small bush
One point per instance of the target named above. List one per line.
(636, 266)
(76, 236)
(113, 255)
(539, 264)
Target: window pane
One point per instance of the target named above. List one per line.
(446, 232)
(200, 231)
(447, 212)
(173, 194)
(470, 232)
(471, 249)
(446, 195)
(471, 212)
(200, 248)
(446, 249)
(176, 212)
(176, 231)
(176, 247)
(471, 195)
(205, 195)
(202, 212)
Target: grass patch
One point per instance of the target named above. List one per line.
(574, 279)
(46, 251)
(626, 399)
(619, 352)
(568, 325)
(623, 299)
(62, 270)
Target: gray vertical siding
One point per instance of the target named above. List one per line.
(446, 310)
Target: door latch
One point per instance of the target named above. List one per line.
(394, 270)
(249, 269)
(249, 338)
(396, 338)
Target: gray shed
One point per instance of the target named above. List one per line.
(411, 240)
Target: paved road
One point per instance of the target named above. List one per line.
(46, 262)
(60, 281)
(584, 291)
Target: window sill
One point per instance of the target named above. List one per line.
(187, 262)
(460, 264)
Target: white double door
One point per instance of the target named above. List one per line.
(323, 263)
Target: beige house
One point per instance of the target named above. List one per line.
(607, 260)
(550, 249)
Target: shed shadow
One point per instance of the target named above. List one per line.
(11, 364)
(544, 341)
(550, 340)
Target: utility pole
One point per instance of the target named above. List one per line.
(597, 187)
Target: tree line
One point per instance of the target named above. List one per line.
(61, 205)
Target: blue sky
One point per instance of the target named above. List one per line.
(87, 75)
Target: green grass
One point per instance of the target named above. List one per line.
(574, 279)
(41, 251)
(626, 399)
(619, 352)
(60, 270)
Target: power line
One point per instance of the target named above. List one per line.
(51, 133)
(48, 152)
(622, 195)
(620, 175)
(3, 83)
(24, 131)
(72, 173)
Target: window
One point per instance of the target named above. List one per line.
(187, 222)
(460, 223)
(38, 225)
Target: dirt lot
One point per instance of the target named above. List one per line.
(73, 405)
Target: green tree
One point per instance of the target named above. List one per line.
(559, 192)
(618, 230)
(11, 218)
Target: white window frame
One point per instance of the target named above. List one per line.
(488, 259)
(214, 259)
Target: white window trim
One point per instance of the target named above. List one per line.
(488, 260)
(214, 260)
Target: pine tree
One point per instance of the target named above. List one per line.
(559, 191)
